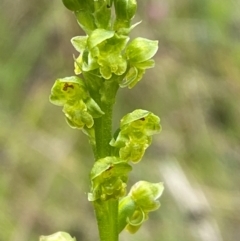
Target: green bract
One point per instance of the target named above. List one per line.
(135, 133)
(78, 106)
(59, 236)
(109, 177)
(134, 208)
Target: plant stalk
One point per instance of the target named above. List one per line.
(106, 211)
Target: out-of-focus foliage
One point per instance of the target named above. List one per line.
(195, 89)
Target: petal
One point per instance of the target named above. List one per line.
(79, 43)
(98, 36)
(141, 49)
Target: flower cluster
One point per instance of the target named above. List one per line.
(107, 60)
(108, 52)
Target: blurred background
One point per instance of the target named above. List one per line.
(194, 88)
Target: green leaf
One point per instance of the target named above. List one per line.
(141, 49)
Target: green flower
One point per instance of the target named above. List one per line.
(139, 53)
(109, 177)
(79, 108)
(145, 195)
(135, 207)
(135, 133)
(101, 50)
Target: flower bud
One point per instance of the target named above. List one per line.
(102, 14)
(86, 21)
(78, 5)
(72, 5)
(125, 11)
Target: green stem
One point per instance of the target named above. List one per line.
(103, 132)
(107, 218)
(106, 211)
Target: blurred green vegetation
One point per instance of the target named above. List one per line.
(194, 88)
